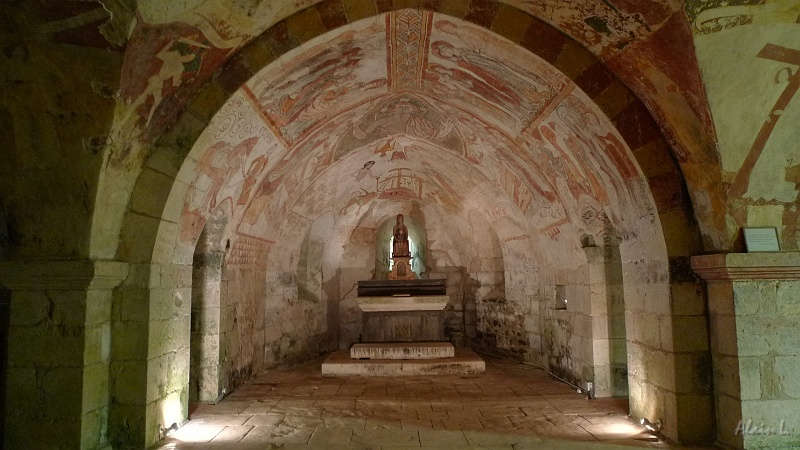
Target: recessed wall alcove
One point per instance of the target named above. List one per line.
(418, 246)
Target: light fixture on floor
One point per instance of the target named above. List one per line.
(649, 426)
(168, 431)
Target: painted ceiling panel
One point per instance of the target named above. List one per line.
(414, 107)
(299, 93)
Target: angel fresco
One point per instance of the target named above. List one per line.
(230, 172)
(163, 61)
(364, 171)
(597, 147)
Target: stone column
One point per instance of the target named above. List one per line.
(205, 383)
(606, 297)
(754, 307)
(59, 341)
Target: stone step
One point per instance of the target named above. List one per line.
(465, 361)
(407, 350)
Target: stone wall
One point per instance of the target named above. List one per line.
(55, 112)
(5, 323)
(294, 307)
(754, 302)
(242, 325)
(59, 353)
(566, 333)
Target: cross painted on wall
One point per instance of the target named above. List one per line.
(784, 55)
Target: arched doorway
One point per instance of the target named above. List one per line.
(282, 176)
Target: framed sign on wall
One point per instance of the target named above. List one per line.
(761, 239)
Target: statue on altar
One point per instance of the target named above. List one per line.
(400, 243)
(401, 254)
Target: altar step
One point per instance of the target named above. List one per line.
(410, 350)
(464, 361)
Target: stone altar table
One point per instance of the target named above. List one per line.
(402, 310)
(403, 318)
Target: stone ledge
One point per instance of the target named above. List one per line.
(748, 266)
(61, 275)
(407, 303)
(410, 350)
(465, 361)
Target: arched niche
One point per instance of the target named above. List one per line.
(310, 262)
(418, 239)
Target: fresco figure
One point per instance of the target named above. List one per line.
(364, 171)
(172, 68)
(400, 241)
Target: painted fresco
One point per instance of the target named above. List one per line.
(460, 69)
(757, 126)
(605, 27)
(230, 23)
(717, 15)
(417, 49)
(411, 115)
(329, 76)
(350, 126)
(165, 62)
(234, 153)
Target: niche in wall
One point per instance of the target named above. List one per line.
(560, 301)
(419, 244)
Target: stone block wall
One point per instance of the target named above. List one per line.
(168, 345)
(479, 313)
(754, 302)
(606, 298)
(567, 333)
(59, 353)
(242, 325)
(5, 322)
(357, 263)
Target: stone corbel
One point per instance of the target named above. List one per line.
(748, 266)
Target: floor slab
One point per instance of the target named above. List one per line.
(511, 406)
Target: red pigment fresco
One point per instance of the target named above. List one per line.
(163, 67)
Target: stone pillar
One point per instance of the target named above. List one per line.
(606, 297)
(669, 363)
(59, 341)
(205, 382)
(754, 307)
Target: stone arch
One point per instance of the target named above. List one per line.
(151, 222)
(626, 111)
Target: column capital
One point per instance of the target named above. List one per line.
(61, 275)
(748, 266)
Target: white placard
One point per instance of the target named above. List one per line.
(761, 240)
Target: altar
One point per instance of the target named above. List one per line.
(402, 310)
(402, 325)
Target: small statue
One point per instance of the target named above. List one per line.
(400, 242)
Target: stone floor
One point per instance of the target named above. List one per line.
(510, 407)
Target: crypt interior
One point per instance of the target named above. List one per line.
(191, 191)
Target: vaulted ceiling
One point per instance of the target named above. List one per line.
(409, 107)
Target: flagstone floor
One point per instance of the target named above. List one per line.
(510, 407)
